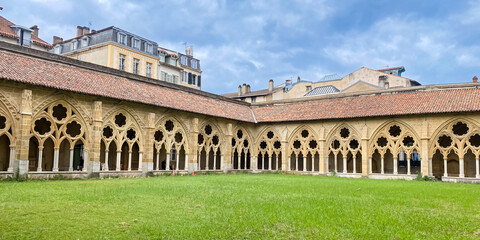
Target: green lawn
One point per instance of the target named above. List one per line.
(238, 207)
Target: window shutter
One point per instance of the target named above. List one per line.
(199, 81)
(189, 78)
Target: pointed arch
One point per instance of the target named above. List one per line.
(242, 148)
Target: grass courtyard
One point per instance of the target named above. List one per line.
(243, 206)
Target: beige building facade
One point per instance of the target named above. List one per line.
(50, 125)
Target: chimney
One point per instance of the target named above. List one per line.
(270, 85)
(248, 88)
(79, 31)
(189, 51)
(288, 82)
(244, 88)
(35, 30)
(298, 79)
(57, 40)
(86, 30)
(239, 90)
(475, 79)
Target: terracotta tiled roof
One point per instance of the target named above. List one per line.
(406, 103)
(62, 76)
(6, 31)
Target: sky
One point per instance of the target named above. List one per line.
(251, 42)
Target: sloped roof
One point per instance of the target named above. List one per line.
(322, 90)
(6, 31)
(330, 77)
(75, 76)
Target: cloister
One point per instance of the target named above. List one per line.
(63, 116)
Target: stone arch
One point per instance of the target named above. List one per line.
(121, 129)
(268, 149)
(170, 144)
(60, 122)
(7, 140)
(397, 145)
(457, 142)
(209, 146)
(67, 98)
(123, 107)
(344, 149)
(7, 104)
(242, 148)
(303, 146)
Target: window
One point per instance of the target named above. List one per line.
(149, 70)
(162, 58)
(199, 81)
(74, 45)
(122, 38)
(121, 62)
(194, 78)
(175, 79)
(163, 76)
(189, 78)
(183, 60)
(184, 77)
(136, 43)
(254, 99)
(148, 48)
(169, 78)
(24, 38)
(136, 64)
(84, 42)
(309, 88)
(172, 61)
(58, 49)
(194, 63)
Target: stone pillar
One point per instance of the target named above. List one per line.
(185, 166)
(366, 159)
(11, 159)
(221, 162)
(269, 162)
(285, 163)
(395, 165)
(105, 166)
(227, 153)
(70, 162)
(354, 164)
(477, 167)
(408, 165)
(119, 155)
(313, 163)
(445, 167)
(426, 162)
(158, 161)
(40, 156)
(193, 161)
(304, 169)
(129, 160)
(345, 164)
(335, 163)
(239, 160)
(462, 169)
(322, 153)
(23, 133)
(167, 162)
(93, 160)
(296, 162)
(289, 164)
(146, 165)
(56, 154)
(140, 161)
(382, 164)
(254, 163)
(177, 161)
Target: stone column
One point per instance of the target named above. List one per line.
(185, 166)
(285, 156)
(129, 160)
(477, 167)
(426, 162)
(40, 156)
(289, 164)
(11, 159)
(55, 159)
(70, 162)
(239, 160)
(221, 162)
(119, 155)
(313, 163)
(167, 162)
(445, 167)
(408, 165)
(106, 160)
(296, 162)
(335, 163)
(369, 165)
(93, 160)
(23, 133)
(207, 161)
(345, 164)
(140, 162)
(382, 164)
(157, 167)
(322, 153)
(304, 163)
(354, 164)
(254, 163)
(462, 169)
(269, 162)
(227, 153)
(263, 160)
(194, 159)
(395, 167)
(177, 162)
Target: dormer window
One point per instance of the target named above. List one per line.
(58, 49)
(122, 38)
(194, 63)
(85, 42)
(74, 45)
(148, 48)
(183, 60)
(136, 43)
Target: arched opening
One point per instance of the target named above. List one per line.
(135, 157)
(64, 156)
(217, 160)
(124, 156)
(293, 160)
(358, 162)
(300, 161)
(182, 165)
(235, 160)
(203, 159)
(340, 162)
(437, 165)
(248, 161)
(331, 161)
(33, 154)
(102, 157)
(4, 152)
(316, 166)
(469, 164)
(388, 162)
(112, 156)
(376, 162)
(309, 163)
(452, 164)
(260, 161)
(47, 155)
